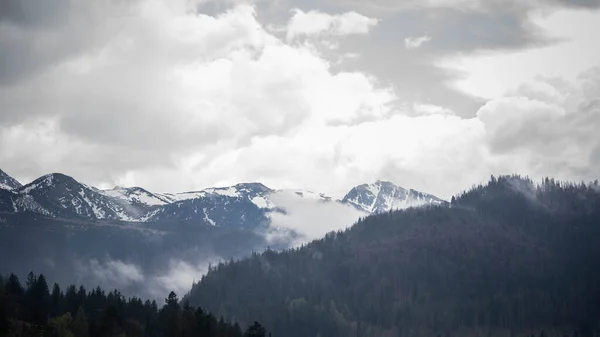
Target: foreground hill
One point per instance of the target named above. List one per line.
(506, 259)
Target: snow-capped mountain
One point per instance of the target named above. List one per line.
(383, 196)
(7, 182)
(58, 195)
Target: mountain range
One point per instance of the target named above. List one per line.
(245, 205)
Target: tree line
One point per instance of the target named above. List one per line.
(33, 310)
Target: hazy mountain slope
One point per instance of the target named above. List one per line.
(138, 260)
(504, 259)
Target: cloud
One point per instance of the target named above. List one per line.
(111, 273)
(316, 23)
(132, 279)
(169, 86)
(311, 218)
(161, 96)
(512, 122)
(431, 109)
(179, 278)
(554, 138)
(413, 43)
(434, 150)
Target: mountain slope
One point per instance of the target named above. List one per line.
(505, 259)
(384, 196)
(7, 182)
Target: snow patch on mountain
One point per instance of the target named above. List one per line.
(207, 219)
(174, 197)
(225, 191)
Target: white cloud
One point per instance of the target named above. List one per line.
(311, 218)
(431, 109)
(178, 277)
(434, 150)
(112, 273)
(172, 86)
(426, 152)
(413, 43)
(316, 23)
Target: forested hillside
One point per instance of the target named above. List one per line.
(34, 310)
(509, 258)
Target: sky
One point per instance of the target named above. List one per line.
(178, 95)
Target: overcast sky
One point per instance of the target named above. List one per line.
(177, 95)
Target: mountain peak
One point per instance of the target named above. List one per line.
(48, 180)
(383, 196)
(7, 182)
